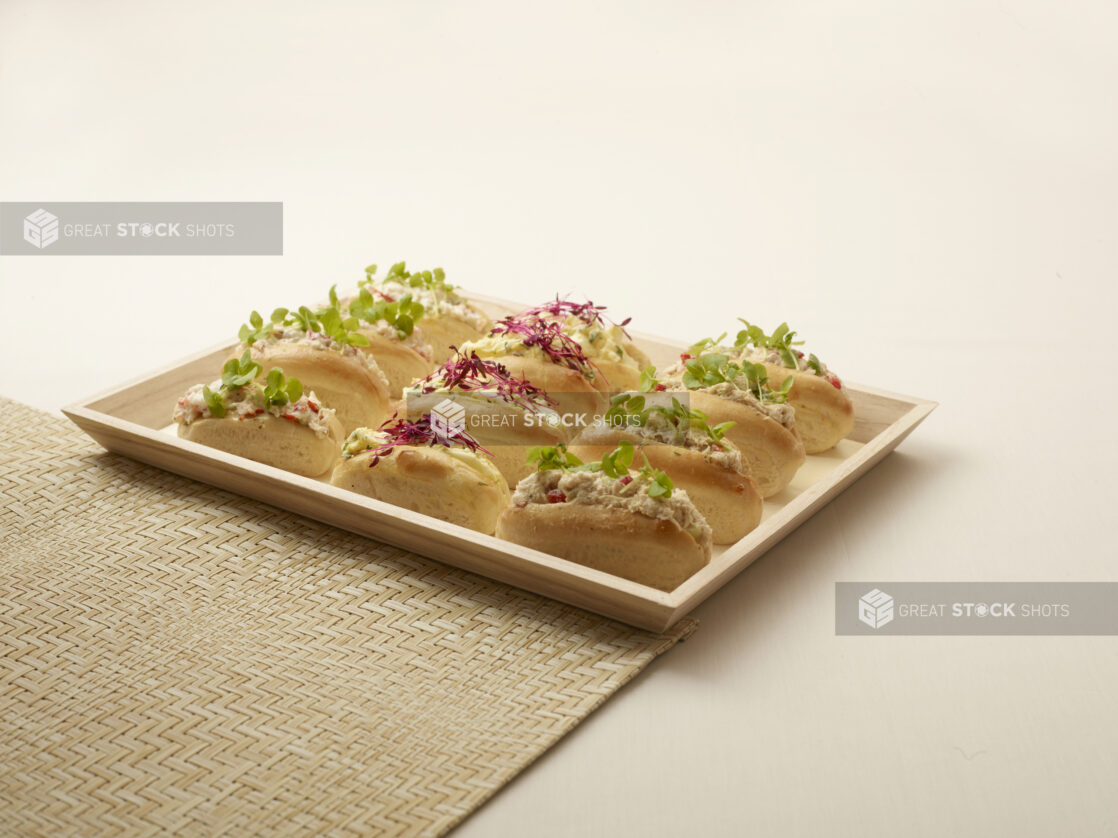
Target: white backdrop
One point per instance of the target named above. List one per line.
(928, 193)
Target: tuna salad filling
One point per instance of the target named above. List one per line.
(249, 402)
(659, 430)
(785, 414)
(588, 488)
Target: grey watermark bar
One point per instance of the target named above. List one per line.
(976, 608)
(487, 416)
(58, 228)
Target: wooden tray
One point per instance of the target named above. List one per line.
(132, 420)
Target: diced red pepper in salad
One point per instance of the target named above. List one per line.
(555, 496)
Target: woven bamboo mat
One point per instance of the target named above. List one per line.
(175, 659)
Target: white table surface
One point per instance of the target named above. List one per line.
(928, 192)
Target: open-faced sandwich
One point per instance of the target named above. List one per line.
(605, 515)
(408, 464)
(824, 413)
(449, 319)
(322, 349)
(392, 334)
(696, 455)
(506, 415)
(271, 421)
(725, 390)
(542, 352)
(606, 344)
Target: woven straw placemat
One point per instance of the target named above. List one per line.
(176, 659)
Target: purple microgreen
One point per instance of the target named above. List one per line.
(471, 373)
(549, 337)
(419, 433)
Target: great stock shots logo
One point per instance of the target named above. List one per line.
(40, 228)
(875, 609)
(448, 420)
(141, 228)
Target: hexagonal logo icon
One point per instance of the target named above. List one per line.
(875, 609)
(448, 420)
(40, 228)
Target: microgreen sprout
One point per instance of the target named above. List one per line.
(649, 382)
(782, 340)
(215, 402)
(660, 485)
(256, 329)
(239, 372)
(701, 346)
(712, 368)
(433, 280)
(549, 457)
(279, 390)
(402, 314)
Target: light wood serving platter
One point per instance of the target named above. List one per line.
(132, 420)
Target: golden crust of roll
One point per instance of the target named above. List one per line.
(824, 413)
(774, 453)
(730, 501)
(444, 331)
(651, 551)
(573, 392)
(400, 363)
(499, 427)
(618, 376)
(431, 481)
(357, 394)
(271, 440)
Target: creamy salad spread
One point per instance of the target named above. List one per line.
(740, 392)
(600, 341)
(765, 355)
(248, 402)
(590, 488)
(659, 429)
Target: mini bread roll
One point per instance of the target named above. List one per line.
(651, 551)
(445, 330)
(357, 393)
(729, 499)
(401, 361)
(613, 524)
(448, 319)
(824, 413)
(507, 431)
(450, 484)
(618, 376)
(774, 452)
(271, 440)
